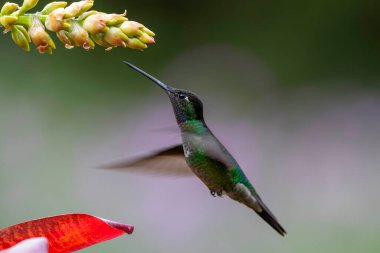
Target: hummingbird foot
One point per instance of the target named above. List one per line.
(215, 193)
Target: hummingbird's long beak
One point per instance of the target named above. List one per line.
(158, 82)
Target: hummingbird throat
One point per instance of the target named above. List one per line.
(186, 112)
(193, 126)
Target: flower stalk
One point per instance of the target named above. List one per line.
(75, 25)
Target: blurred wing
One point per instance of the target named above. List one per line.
(170, 161)
(166, 129)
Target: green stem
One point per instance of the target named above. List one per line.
(42, 18)
(24, 20)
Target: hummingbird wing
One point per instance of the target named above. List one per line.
(212, 148)
(170, 161)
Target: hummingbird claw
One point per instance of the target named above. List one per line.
(215, 193)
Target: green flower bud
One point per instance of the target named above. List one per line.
(145, 38)
(20, 37)
(95, 23)
(87, 14)
(63, 36)
(9, 8)
(24, 31)
(99, 39)
(135, 43)
(40, 37)
(116, 37)
(80, 36)
(27, 5)
(115, 19)
(55, 22)
(77, 8)
(8, 21)
(131, 28)
(53, 6)
(147, 31)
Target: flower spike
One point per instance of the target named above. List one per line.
(75, 26)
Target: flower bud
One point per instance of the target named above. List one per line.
(115, 37)
(53, 6)
(9, 8)
(40, 37)
(80, 36)
(135, 29)
(145, 38)
(147, 31)
(8, 21)
(63, 36)
(95, 23)
(27, 5)
(77, 8)
(135, 43)
(99, 39)
(115, 19)
(24, 31)
(87, 14)
(131, 28)
(20, 36)
(55, 22)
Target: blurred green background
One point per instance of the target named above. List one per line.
(290, 87)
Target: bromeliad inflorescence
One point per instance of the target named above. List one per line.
(74, 25)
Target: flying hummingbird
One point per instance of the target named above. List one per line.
(202, 154)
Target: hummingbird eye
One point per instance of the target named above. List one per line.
(182, 96)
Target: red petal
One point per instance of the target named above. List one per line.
(65, 233)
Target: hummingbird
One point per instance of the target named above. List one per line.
(200, 153)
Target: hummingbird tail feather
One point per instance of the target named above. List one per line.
(267, 215)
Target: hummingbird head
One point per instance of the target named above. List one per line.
(186, 105)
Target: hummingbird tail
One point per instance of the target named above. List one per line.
(267, 215)
(248, 196)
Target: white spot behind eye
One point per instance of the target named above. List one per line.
(182, 96)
